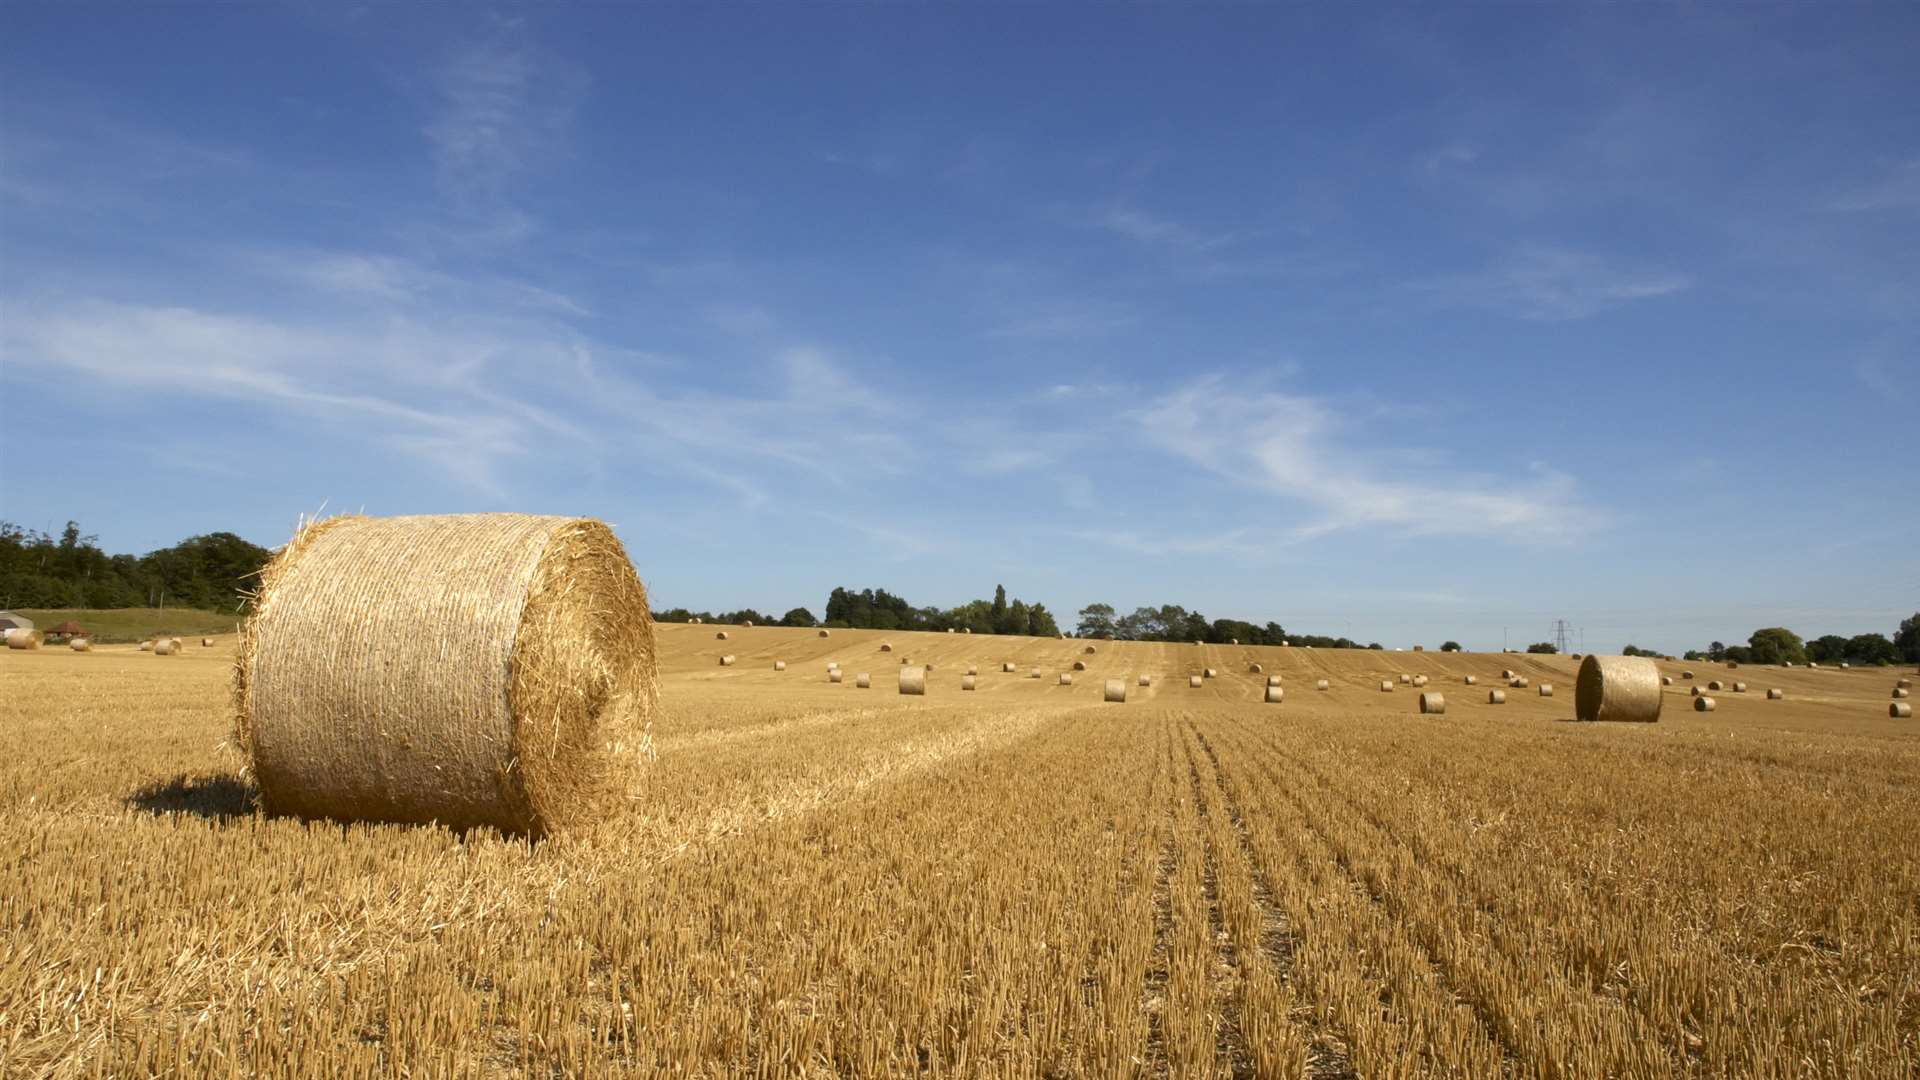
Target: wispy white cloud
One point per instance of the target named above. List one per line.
(1551, 285)
(1290, 445)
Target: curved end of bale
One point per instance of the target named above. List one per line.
(721, 636)
(530, 708)
(1386, 686)
(1146, 680)
(886, 646)
(1496, 697)
(1470, 680)
(1066, 678)
(1090, 650)
(968, 682)
(1079, 665)
(1254, 669)
(1775, 695)
(1320, 684)
(1617, 688)
(826, 633)
(1546, 689)
(1433, 703)
(1275, 695)
(1193, 681)
(1899, 710)
(1704, 704)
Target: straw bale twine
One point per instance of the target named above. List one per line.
(1617, 688)
(1386, 686)
(863, 681)
(721, 636)
(1546, 689)
(164, 647)
(727, 660)
(1254, 669)
(1496, 697)
(24, 640)
(1433, 703)
(1775, 695)
(80, 644)
(1079, 665)
(1273, 680)
(1715, 685)
(1900, 692)
(779, 665)
(835, 676)
(1275, 695)
(967, 682)
(886, 646)
(1320, 685)
(1899, 710)
(1193, 681)
(1007, 666)
(1066, 678)
(1704, 704)
(913, 680)
(1116, 691)
(1146, 680)
(1471, 681)
(500, 671)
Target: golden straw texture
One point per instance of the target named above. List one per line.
(1433, 702)
(1617, 688)
(1116, 690)
(1275, 695)
(913, 680)
(469, 669)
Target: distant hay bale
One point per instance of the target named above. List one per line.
(1090, 650)
(1617, 688)
(1715, 686)
(1739, 688)
(966, 629)
(833, 665)
(913, 680)
(695, 621)
(863, 681)
(1844, 665)
(1900, 692)
(206, 643)
(1386, 686)
(727, 660)
(1211, 673)
(886, 646)
(1320, 685)
(25, 640)
(949, 629)
(748, 623)
(1518, 683)
(1686, 674)
(1496, 697)
(826, 633)
(1007, 667)
(163, 647)
(1285, 644)
(1034, 674)
(1812, 664)
(1079, 665)
(147, 645)
(1275, 695)
(1419, 648)
(1254, 669)
(1471, 681)
(1546, 689)
(1273, 680)
(835, 676)
(1697, 691)
(721, 636)
(527, 693)
(1196, 641)
(1066, 678)
(1775, 695)
(1405, 679)
(1116, 691)
(1193, 681)
(1733, 663)
(967, 682)
(779, 665)
(1704, 704)
(1506, 673)
(81, 644)
(1419, 680)
(1666, 680)
(1233, 641)
(1899, 710)
(1146, 680)
(973, 669)
(1904, 684)
(1433, 703)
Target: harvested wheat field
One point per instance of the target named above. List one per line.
(1017, 881)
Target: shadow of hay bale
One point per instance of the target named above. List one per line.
(215, 798)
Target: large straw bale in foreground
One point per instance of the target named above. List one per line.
(482, 669)
(1116, 690)
(913, 680)
(1617, 688)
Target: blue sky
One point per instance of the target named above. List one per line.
(1405, 324)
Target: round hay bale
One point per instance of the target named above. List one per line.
(1739, 688)
(1899, 710)
(1696, 691)
(1518, 683)
(1546, 689)
(727, 660)
(1775, 695)
(863, 681)
(1715, 686)
(206, 643)
(1686, 674)
(1275, 695)
(1066, 678)
(1386, 686)
(1704, 704)
(1666, 680)
(1273, 680)
(1433, 703)
(886, 646)
(1812, 664)
(1405, 679)
(721, 636)
(779, 665)
(1496, 697)
(913, 680)
(1254, 669)
(1007, 667)
(973, 669)
(748, 623)
(1211, 673)
(1733, 664)
(1506, 673)
(25, 640)
(1904, 684)
(1090, 650)
(1844, 665)
(1193, 681)
(147, 645)
(1471, 681)
(835, 676)
(905, 660)
(1419, 680)
(1419, 648)
(967, 682)
(1320, 685)
(949, 629)
(1196, 641)
(1116, 691)
(1034, 674)
(1079, 665)
(164, 647)
(695, 620)
(833, 665)
(1900, 692)
(527, 699)
(966, 629)
(81, 644)
(826, 633)
(1146, 680)
(1617, 688)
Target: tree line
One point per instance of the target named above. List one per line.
(1779, 645)
(1171, 622)
(39, 570)
(878, 609)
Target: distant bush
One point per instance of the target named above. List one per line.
(1542, 647)
(1450, 646)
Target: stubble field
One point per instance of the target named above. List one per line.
(819, 880)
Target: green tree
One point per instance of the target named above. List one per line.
(797, 617)
(1040, 621)
(1871, 649)
(1449, 646)
(1777, 645)
(1542, 647)
(1095, 619)
(1906, 640)
(999, 607)
(1827, 649)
